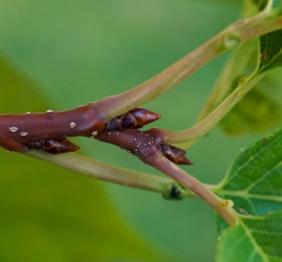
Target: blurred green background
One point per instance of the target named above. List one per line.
(61, 54)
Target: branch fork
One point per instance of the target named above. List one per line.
(116, 120)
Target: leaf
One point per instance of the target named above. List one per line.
(260, 4)
(260, 109)
(254, 184)
(270, 51)
(270, 44)
(254, 239)
(254, 181)
(17, 91)
(48, 214)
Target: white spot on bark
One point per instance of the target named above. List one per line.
(94, 133)
(72, 124)
(24, 133)
(13, 129)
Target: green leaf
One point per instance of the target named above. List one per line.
(254, 184)
(270, 51)
(254, 239)
(260, 109)
(260, 4)
(270, 44)
(254, 181)
(18, 93)
(50, 214)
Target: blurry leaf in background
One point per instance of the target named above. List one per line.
(260, 4)
(261, 109)
(18, 93)
(254, 184)
(49, 214)
(271, 51)
(271, 44)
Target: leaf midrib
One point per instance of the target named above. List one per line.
(253, 241)
(245, 194)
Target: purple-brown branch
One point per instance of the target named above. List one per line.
(144, 144)
(150, 147)
(48, 131)
(20, 132)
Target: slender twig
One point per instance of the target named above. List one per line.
(187, 136)
(147, 146)
(223, 207)
(102, 171)
(235, 34)
(233, 68)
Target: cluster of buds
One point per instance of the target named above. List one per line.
(136, 119)
(49, 132)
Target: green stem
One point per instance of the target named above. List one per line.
(188, 136)
(232, 69)
(235, 34)
(223, 207)
(106, 172)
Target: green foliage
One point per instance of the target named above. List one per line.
(49, 214)
(270, 51)
(254, 239)
(254, 184)
(18, 89)
(260, 109)
(260, 4)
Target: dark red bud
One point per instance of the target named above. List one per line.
(143, 116)
(53, 146)
(128, 121)
(133, 119)
(174, 154)
(114, 125)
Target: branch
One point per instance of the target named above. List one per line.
(147, 146)
(18, 132)
(235, 34)
(95, 169)
(200, 129)
(223, 207)
(48, 131)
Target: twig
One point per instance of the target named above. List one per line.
(223, 207)
(235, 34)
(201, 128)
(147, 146)
(95, 169)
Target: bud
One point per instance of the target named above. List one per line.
(174, 154)
(143, 116)
(53, 146)
(134, 119)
